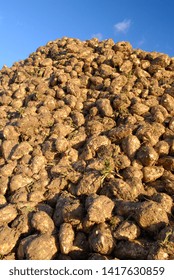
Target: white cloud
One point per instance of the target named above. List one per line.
(141, 42)
(122, 26)
(98, 35)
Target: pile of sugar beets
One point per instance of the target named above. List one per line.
(87, 153)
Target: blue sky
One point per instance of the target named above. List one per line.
(26, 25)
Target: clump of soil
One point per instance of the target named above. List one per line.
(86, 153)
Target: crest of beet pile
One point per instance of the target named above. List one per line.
(87, 153)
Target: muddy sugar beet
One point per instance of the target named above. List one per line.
(87, 153)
